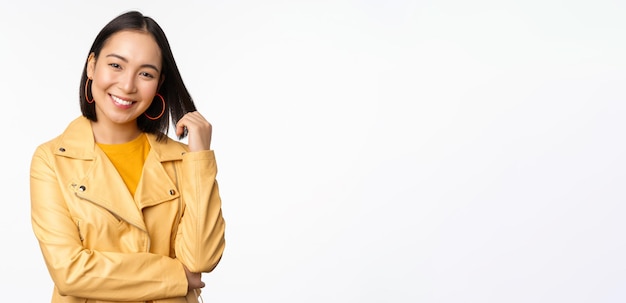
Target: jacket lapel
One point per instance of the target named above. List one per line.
(103, 185)
(156, 185)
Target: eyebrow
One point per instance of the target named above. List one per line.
(126, 60)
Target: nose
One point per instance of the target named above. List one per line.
(127, 83)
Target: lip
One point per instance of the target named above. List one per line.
(122, 102)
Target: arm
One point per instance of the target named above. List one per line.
(79, 272)
(200, 239)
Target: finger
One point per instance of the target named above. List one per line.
(194, 120)
(180, 128)
(183, 124)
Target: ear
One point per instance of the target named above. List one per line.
(91, 65)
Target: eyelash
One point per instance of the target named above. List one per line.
(144, 74)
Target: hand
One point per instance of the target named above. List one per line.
(194, 279)
(198, 130)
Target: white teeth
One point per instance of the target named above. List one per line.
(120, 101)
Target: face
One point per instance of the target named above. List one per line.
(126, 76)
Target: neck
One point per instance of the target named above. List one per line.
(114, 133)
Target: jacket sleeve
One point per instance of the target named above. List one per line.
(79, 272)
(200, 239)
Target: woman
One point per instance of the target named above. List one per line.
(121, 211)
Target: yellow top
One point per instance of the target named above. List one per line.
(128, 159)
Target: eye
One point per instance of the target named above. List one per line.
(146, 74)
(115, 65)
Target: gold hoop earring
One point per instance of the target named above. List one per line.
(162, 111)
(86, 92)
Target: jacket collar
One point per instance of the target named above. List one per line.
(77, 142)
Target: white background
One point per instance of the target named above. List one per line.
(369, 151)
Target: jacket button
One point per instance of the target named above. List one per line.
(82, 188)
(172, 192)
(61, 149)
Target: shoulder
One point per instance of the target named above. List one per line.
(44, 150)
(168, 148)
(77, 133)
(48, 147)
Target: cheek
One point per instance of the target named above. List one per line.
(102, 79)
(146, 93)
(148, 90)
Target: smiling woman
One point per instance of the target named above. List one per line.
(121, 211)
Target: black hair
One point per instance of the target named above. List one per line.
(178, 101)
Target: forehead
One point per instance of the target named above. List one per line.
(135, 46)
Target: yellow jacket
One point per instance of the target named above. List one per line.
(101, 243)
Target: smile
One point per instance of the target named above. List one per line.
(120, 101)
